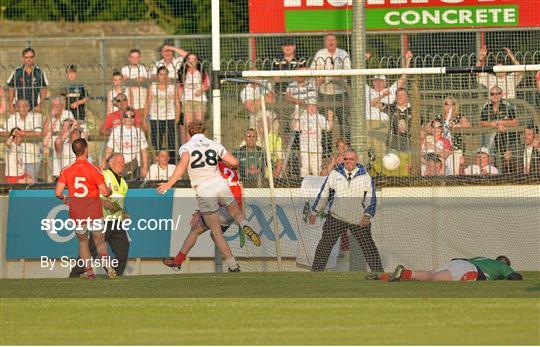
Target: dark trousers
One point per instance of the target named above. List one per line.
(117, 239)
(332, 229)
(161, 129)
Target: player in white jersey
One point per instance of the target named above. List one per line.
(200, 157)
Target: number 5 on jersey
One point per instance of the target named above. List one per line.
(80, 184)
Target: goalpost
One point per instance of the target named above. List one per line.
(418, 219)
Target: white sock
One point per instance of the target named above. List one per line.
(231, 263)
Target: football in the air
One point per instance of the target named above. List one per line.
(391, 161)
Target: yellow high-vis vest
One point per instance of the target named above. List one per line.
(119, 191)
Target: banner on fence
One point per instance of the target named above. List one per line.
(336, 15)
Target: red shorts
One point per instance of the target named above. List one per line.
(83, 208)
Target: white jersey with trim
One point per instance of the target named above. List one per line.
(203, 159)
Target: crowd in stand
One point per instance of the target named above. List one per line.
(152, 106)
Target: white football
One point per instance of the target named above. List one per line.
(391, 161)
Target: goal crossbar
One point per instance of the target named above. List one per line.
(371, 72)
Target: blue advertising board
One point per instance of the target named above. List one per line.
(26, 238)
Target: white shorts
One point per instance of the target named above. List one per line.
(459, 269)
(211, 196)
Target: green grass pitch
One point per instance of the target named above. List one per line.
(333, 308)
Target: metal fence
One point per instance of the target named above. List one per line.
(96, 59)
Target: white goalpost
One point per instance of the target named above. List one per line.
(417, 221)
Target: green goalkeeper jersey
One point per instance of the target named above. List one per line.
(493, 269)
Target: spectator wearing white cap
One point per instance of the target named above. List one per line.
(482, 166)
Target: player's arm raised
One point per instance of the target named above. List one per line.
(177, 174)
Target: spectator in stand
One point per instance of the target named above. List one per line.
(443, 148)
(482, 166)
(378, 95)
(251, 99)
(15, 171)
(286, 62)
(63, 154)
(116, 118)
(3, 103)
(332, 90)
(452, 119)
(311, 124)
(52, 127)
(118, 88)
(400, 117)
(169, 61)
(27, 82)
(163, 109)
(76, 95)
(131, 142)
(193, 83)
(427, 140)
(500, 115)
(432, 165)
(508, 82)
(275, 141)
(526, 160)
(53, 123)
(342, 146)
(136, 74)
(300, 91)
(31, 123)
(161, 170)
(252, 160)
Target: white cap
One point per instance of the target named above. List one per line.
(379, 77)
(484, 150)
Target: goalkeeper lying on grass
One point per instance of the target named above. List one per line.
(473, 269)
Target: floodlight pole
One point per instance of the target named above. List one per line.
(358, 102)
(358, 112)
(216, 95)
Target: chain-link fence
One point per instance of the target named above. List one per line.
(113, 51)
(113, 95)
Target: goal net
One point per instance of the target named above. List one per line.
(453, 157)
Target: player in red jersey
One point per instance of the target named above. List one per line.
(85, 182)
(198, 226)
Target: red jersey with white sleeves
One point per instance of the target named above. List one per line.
(82, 179)
(234, 181)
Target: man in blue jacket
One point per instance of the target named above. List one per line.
(348, 195)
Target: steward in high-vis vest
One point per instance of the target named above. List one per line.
(113, 214)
